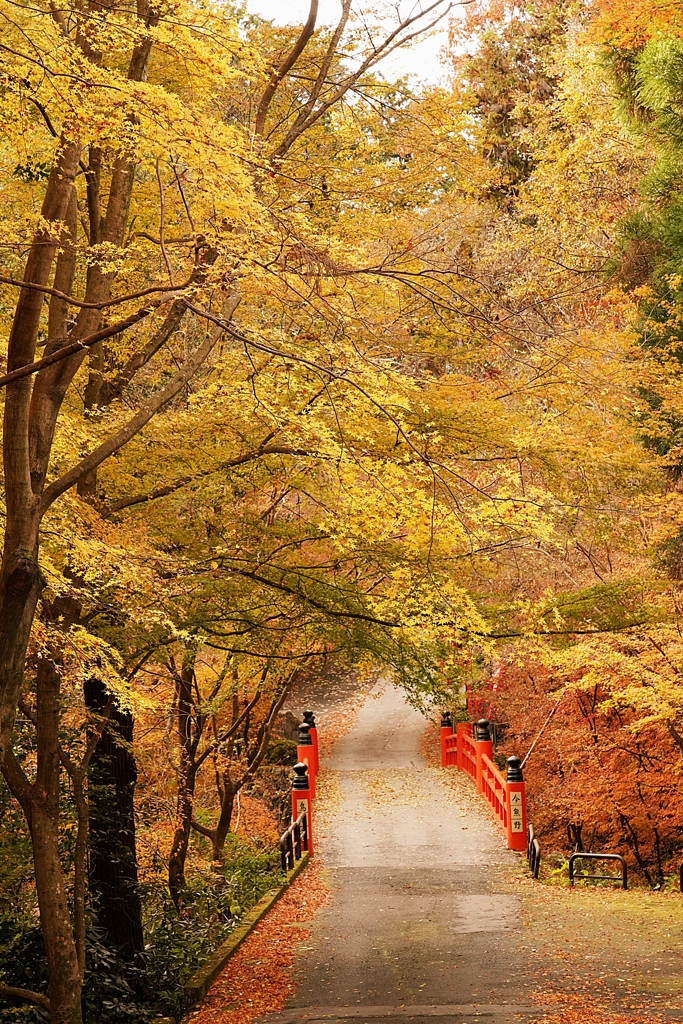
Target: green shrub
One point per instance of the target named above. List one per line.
(178, 945)
(281, 751)
(109, 992)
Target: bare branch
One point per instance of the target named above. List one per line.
(95, 305)
(24, 993)
(171, 322)
(230, 732)
(319, 82)
(285, 67)
(145, 413)
(401, 35)
(268, 728)
(239, 460)
(162, 222)
(66, 351)
(202, 829)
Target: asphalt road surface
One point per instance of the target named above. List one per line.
(421, 925)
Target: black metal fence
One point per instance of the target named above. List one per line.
(533, 852)
(294, 842)
(599, 856)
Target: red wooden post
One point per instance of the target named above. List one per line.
(446, 730)
(461, 729)
(484, 745)
(302, 800)
(516, 805)
(304, 753)
(309, 718)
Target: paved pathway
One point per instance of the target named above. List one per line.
(420, 925)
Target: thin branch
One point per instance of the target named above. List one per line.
(46, 116)
(185, 203)
(541, 731)
(293, 592)
(162, 222)
(320, 80)
(78, 346)
(310, 114)
(162, 492)
(285, 67)
(228, 733)
(145, 413)
(24, 993)
(95, 305)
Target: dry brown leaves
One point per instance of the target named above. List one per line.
(257, 979)
(257, 821)
(335, 722)
(430, 745)
(583, 1010)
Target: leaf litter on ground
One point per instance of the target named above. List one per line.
(256, 980)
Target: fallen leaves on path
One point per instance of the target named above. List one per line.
(335, 722)
(257, 979)
(430, 744)
(577, 1010)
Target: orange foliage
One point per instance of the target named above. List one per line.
(157, 758)
(257, 822)
(628, 24)
(596, 774)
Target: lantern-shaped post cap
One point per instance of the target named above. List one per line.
(304, 738)
(514, 764)
(300, 776)
(481, 730)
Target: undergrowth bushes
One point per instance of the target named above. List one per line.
(176, 945)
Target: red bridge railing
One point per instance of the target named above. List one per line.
(494, 789)
(470, 749)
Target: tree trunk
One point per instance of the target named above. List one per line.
(40, 803)
(113, 872)
(181, 836)
(19, 575)
(228, 792)
(186, 780)
(229, 787)
(574, 833)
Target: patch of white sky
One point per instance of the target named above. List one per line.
(421, 59)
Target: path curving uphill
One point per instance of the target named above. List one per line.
(421, 925)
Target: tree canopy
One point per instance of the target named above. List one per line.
(308, 369)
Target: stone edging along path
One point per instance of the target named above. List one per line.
(200, 983)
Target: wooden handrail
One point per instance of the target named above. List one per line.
(494, 771)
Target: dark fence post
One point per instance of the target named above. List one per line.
(446, 730)
(305, 754)
(302, 800)
(309, 719)
(484, 746)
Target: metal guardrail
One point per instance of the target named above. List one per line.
(599, 856)
(294, 842)
(533, 852)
